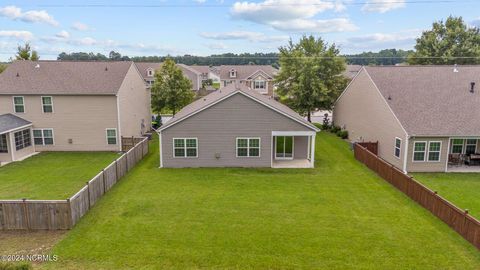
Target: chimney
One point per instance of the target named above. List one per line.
(472, 87)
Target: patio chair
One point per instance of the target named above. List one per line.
(454, 159)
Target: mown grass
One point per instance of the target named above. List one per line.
(462, 189)
(51, 175)
(339, 215)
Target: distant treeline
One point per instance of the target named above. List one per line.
(383, 57)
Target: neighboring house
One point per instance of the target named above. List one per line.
(425, 118)
(237, 127)
(258, 77)
(147, 69)
(75, 106)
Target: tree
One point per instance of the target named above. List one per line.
(171, 90)
(2, 67)
(25, 52)
(445, 42)
(310, 76)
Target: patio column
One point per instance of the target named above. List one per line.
(312, 150)
(12, 145)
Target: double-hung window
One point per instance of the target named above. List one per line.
(185, 147)
(419, 150)
(259, 85)
(111, 136)
(434, 149)
(248, 147)
(3, 143)
(18, 104)
(457, 146)
(398, 147)
(470, 146)
(22, 139)
(43, 136)
(47, 104)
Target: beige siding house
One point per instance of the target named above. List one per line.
(237, 127)
(77, 106)
(425, 118)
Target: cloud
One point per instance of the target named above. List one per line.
(80, 27)
(382, 6)
(31, 16)
(217, 46)
(20, 35)
(63, 34)
(243, 35)
(403, 39)
(200, 1)
(293, 15)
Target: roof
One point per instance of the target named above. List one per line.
(63, 77)
(244, 71)
(431, 100)
(9, 122)
(144, 66)
(351, 71)
(231, 90)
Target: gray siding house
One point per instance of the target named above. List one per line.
(237, 127)
(425, 118)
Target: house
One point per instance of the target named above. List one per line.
(237, 127)
(425, 118)
(73, 106)
(147, 69)
(258, 77)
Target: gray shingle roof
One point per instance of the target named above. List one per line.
(432, 100)
(9, 121)
(143, 66)
(230, 89)
(63, 77)
(244, 71)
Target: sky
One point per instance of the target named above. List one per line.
(204, 27)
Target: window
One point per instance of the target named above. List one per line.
(233, 73)
(457, 146)
(259, 85)
(3, 143)
(470, 146)
(185, 147)
(150, 72)
(398, 147)
(43, 136)
(434, 149)
(419, 149)
(22, 139)
(47, 104)
(111, 136)
(248, 147)
(19, 104)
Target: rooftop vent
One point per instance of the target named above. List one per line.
(472, 87)
(106, 68)
(455, 68)
(18, 75)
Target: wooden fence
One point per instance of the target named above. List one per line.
(459, 220)
(64, 214)
(129, 142)
(371, 146)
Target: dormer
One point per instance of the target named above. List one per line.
(150, 72)
(233, 73)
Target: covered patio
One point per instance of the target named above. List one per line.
(293, 149)
(464, 155)
(16, 140)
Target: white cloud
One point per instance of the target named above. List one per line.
(200, 1)
(400, 40)
(87, 41)
(243, 35)
(217, 46)
(293, 15)
(31, 16)
(382, 6)
(63, 34)
(81, 27)
(21, 35)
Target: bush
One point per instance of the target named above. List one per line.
(11, 266)
(326, 127)
(342, 134)
(335, 129)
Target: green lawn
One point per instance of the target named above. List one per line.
(337, 216)
(51, 175)
(462, 189)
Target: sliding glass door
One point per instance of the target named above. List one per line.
(284, 147)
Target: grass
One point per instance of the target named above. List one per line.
(337, 216)
(51, 175)
(462, 189)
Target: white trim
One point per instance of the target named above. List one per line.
(116, 136)
(160, 148)
(405, 154)
(260, 90)
(448, 155)
(23, 102)
(399, 148)
(167, 125)
(51, 104)
(425, 152)
(267, 76)
(293, 133)
(185, 148)
(293, 149)
(43, 137)
(476, 144)
(439, 152)
(248, 147)
(313, 150)
(150, 70)
(12, 145)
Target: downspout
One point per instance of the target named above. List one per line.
(405, 154)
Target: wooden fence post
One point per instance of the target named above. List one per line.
(88, 193)
(116, 170)
(69, 213)
(25, 212)
(103, 179)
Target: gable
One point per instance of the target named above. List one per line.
(259, 74)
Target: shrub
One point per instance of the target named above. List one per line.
(335, 129)
(326, 127)
(342, 134)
